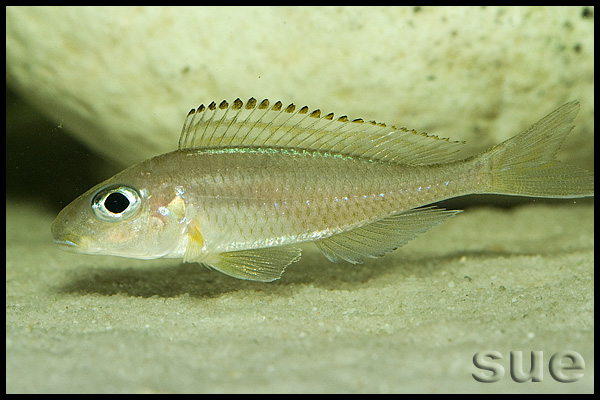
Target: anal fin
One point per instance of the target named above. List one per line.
(382, 236)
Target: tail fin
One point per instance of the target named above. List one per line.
(525, 165)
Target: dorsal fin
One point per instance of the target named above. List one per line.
(262, 124)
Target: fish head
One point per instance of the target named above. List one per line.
(123, 217)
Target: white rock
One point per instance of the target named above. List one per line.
(122, 79)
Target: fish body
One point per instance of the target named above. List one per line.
(251, 180)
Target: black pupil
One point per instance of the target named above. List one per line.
(116, 203)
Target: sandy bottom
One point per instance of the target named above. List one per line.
(517, 279)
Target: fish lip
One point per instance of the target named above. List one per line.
(67, 245)
(65, 242)
(72, 247)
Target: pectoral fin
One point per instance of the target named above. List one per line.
(195, 246)
(382, 236)
(264, 265)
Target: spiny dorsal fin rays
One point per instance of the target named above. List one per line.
(260, 124)
(184, 137)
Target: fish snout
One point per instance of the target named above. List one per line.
(62, 236)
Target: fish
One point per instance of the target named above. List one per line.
(252, 180)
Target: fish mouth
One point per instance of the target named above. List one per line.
(74, 244)
(67, 245)
(67, 240)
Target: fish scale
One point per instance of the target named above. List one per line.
(297, 196)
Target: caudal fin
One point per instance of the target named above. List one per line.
(525, 165)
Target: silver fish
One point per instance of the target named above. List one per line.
(250, 180)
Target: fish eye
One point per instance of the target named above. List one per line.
(116, 203)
